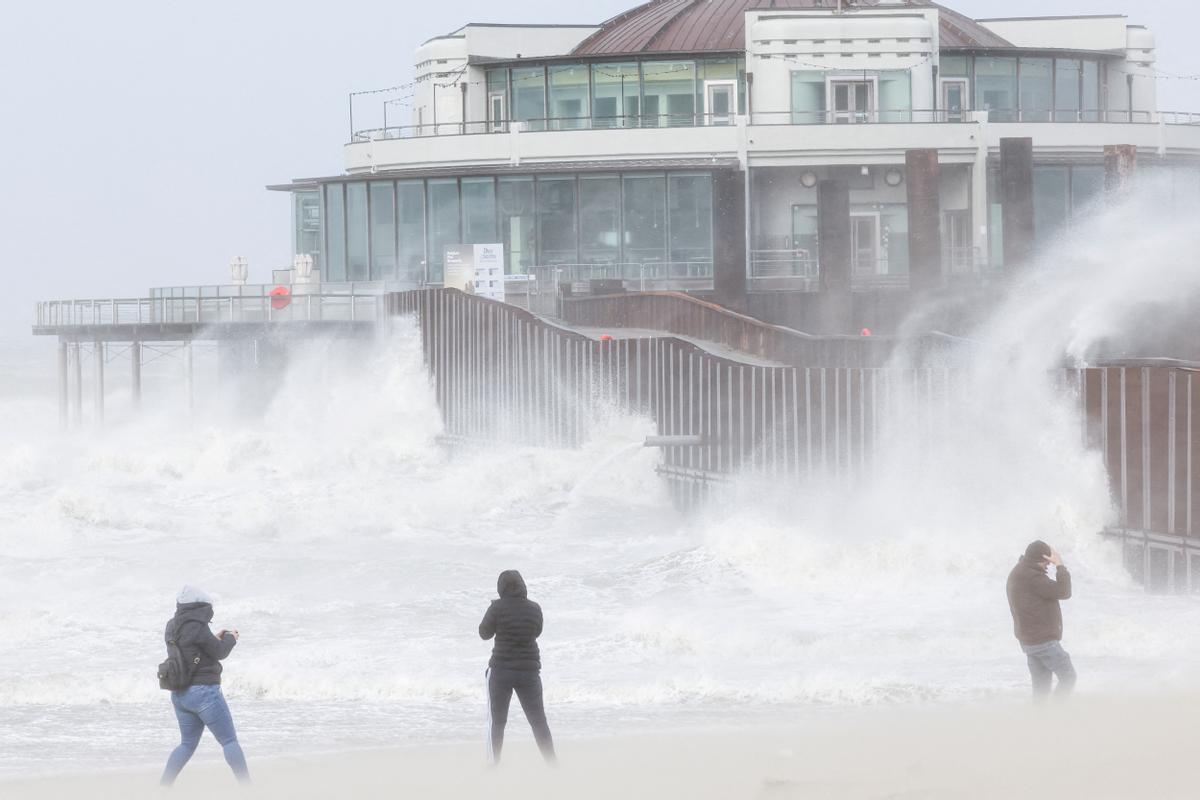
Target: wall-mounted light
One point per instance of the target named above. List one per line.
(866, 171)
(808, 180)
(893, 177)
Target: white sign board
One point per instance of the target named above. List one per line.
(475, 269)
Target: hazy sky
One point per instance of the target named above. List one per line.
(138, 134)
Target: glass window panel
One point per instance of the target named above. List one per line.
(599, 219)
(803, 258)
(518, 228)
(722, 70)
(691, 216)
(615, 95)
(335, 232)
(411, 231)
(808, 98)
(645, 201)
(1087, 186)
(1092, 102)
(1067, 72)
(442, 206)
(954, 67)
(1050, 202)
(1037, 89)
(556, 220)
(529, 97)
(996, 88)
(307, 225)
(383, 231)
(497, 80)
(669, 92)
(569, 96)
(479, 211)
(357, 268)
(895, 96)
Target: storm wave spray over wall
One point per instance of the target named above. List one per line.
(356, 554)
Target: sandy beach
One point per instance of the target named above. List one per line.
(1088, 748)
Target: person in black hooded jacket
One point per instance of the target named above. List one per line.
(201, 705)
(516, 622)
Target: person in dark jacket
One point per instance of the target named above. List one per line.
(516, 622)
(1033, 598)
(201, 705)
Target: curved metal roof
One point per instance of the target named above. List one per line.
(692, 26)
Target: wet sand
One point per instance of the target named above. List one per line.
(1088, 748)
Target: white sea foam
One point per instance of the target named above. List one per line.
(355, 554)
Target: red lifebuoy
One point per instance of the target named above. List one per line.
(281, 297)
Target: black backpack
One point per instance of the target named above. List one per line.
(175, 673)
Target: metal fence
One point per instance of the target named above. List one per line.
(503, 373)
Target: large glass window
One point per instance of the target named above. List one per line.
(556, 222)
(479, 211)
(645, 204)
(335, 232)
(808, 97)
(1092, 100)
(442, 205)
(518, 229)
(713, 92)
(357, 268)
(1051, 202)
(954, 67)
(599, 219)
(1087, 186)
(893, 238)
(616, 95)
(411, 231)
(383, 231)
(1067, 80)
(996, 88)
(895, 96)
(1037, 89)
(306, 225)
(669, 93)
(529, 97)
(569, 96)
(690, 220)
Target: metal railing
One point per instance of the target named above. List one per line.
(313, 307)
(357, 288)
(546, 281)
(799, 270)
(907, 116)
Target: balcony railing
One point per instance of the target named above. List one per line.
(873, 117)
(59, 314)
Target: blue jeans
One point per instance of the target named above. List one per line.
(1045, 661)
(197, 708)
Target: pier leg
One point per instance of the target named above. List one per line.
(135, 362)
(64, 394)
(99, 381)
(187, 377)
(77, 349)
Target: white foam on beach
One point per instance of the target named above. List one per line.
(356, 555)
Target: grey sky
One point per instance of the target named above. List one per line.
(138, 134)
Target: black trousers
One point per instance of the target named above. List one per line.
(527, 683)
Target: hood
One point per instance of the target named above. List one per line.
(1039, 565)
(192, 594)
(511, 584)
(194, 612)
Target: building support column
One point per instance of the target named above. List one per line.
(1120, 167)
(834, 263)
(1016, 197)
(924, 219)
(135, 363)
(99, 359)
(64, 395)
(729, 238)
